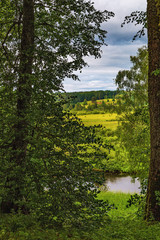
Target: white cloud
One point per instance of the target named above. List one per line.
(120, 7)
(116, 56)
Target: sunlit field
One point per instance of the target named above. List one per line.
(119, 199)
(108, 120)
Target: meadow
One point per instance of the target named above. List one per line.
(108, 120)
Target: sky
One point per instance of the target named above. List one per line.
(101, 72)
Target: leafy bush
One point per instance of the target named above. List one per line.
(57, 182)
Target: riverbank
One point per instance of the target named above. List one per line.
(122, 223)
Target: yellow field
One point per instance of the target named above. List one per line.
(108, 120)
(102, 100)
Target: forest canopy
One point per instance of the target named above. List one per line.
(44, 170)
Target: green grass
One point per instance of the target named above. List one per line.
(107, 120)
(119, 199)
(124, 223)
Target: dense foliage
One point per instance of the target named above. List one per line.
(88, 96)
(123, 224)
(58, 182)
(44, 171)
(133, 134)
(94, 106)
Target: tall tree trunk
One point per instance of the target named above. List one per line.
(152, 204)
(20, 142)
(25, 78)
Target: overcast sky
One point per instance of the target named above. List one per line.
(101, 72)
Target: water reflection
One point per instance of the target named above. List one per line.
(122, 183)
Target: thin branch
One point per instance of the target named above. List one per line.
(5, 39)
(9, 30)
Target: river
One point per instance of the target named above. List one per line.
(121, 183)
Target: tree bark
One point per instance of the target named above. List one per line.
(25, 78)
(20, 142)
(152, 204)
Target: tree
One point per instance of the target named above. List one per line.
(152, 205)
(93, 99)
(78, 107)
(134, 83)
(133, 133)
(20, 133)
(151, 20)
(139, 17)
(85, 102)
(42, 42)
(103, 105)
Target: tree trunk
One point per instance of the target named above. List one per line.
(152, 204)
(20, 142)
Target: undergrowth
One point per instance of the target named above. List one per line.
(122, 224)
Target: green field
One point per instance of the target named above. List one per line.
(108, 120)
(119, 199)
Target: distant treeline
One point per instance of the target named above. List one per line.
(81, 96)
